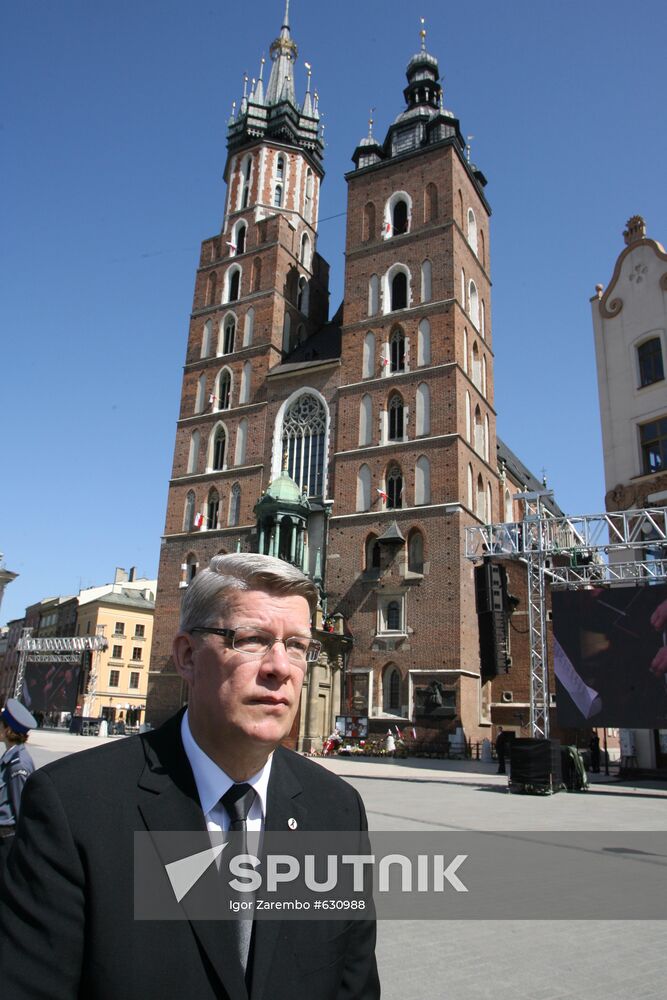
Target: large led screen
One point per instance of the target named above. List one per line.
(51, 687)
(610, 657)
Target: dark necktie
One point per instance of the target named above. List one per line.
(237, 802)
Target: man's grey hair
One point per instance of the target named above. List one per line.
(206, 599)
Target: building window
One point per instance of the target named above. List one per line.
(649, 358)
(136, 652)
(235, 505)
(200, 396)
(365, 419)
(473, 303)
(396, 418)
(139, 631)
(206, 339)
(278, 196)
(219, 449)
(399, 291)
(368, 360)
(212, 510)
(280, 168)
(373, 295)
(653, 438)
(228, 335)
(189, 512)
(394, 487)
(399, 217)
(371, 553)
(234, 278)
(190, 568)
(426, 281)
(119, 628)
(424, 343)
(422, 481)
(303, 296)
(416, 552)
(309, 195)
(390, 618)
(364, 488)
(397, 351)
(248, 327)
(134, 680)
(240, 238)
(472, 231)
(305, 250)
(246, 167)
(241, 442)
(246, 375)
(193, 453)
(224, 390)
(117, 653)
(304, 435)
(114, 678)
(423, 410)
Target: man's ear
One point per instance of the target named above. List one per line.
(183, 653)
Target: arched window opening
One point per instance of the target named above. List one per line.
(365, 419)
(213, 510)
(424, 343)
(430, 203)
(423, 410)
(482, 318)
(223, 395)
(234, 285)
(234, 506)
(368, 360)
(249, 327)
(303, 296)
(309, 195)
(246, 168)
(211, 286)
(228, 334)
(426, 281)
(399, 291)
(484, 375)
(489, 508)
(371, 553)
(257, 274)
(364, 488)
(240, 238)
(481, 500)
(473, 304)
(392, 679)
(394, 487)
(416, 552)
(468, 404)
(472, 231)
(470, 488)
(206, 339)
(373, 295)
(395, 677)
(479, 432)
(280, 168)
(368, 229)
(397, 351)
(201, 394)
(304, 432)
(399, 217)
(463, 289)
(193, 453)
(422, 481)
(219, 449)
(191, 566)
(244, 392)
(241, 442)
(278, 196)
(476, 367)
(465, 350)
(396, 418)
(394, 622)
(305, 251)
(486, 437)
(189, 512)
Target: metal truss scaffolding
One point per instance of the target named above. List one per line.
(581, 544)
(54, 649)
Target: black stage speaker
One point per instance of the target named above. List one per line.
(491, 603)
(535, 762)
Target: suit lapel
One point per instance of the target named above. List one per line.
(283, 804)
(168, 801)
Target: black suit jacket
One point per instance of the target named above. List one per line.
(67, 927)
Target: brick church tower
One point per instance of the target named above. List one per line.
(360, 447)
(415, 437)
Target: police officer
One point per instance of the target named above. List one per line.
(15, 766)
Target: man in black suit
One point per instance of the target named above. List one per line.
(67, 927)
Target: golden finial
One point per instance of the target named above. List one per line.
(422, 33)
(370, 123)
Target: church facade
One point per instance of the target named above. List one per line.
(357, 447)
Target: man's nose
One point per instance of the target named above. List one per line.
(276, 660)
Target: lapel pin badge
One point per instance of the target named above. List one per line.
(292, 824)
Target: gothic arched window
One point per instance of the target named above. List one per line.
(233, 283)
(304, 435)
(364, 488)
(193, 453)
(212, 510)
(206, 339)
(235, 505)
(228, 334)
(422, 481)
(472, 231)
(371, 553)
(416, 552)
(189, 512)
(399, 217)
(365, 419)
(223, 395)
(394, 487)
(219, 449)
(424, 343)
(396, 418)
(368, 360)
(397, 351)
(399, 291)
(422, 409)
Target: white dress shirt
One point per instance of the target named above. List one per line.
(212, 783)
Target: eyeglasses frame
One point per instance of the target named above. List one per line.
(312, 653)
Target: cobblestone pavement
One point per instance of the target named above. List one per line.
(494, 960)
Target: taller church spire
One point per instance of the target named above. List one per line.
(283, 55)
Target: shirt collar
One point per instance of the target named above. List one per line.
(211, 781)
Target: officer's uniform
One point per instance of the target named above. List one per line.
(16, 765)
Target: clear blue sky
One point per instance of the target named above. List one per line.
(113, 146)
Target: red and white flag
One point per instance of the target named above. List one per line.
(385, 361)
(212, 399)
(199, 520)
(387, 228)
(232, 245)
(383, 496)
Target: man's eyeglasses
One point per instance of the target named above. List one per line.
(255, 642)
